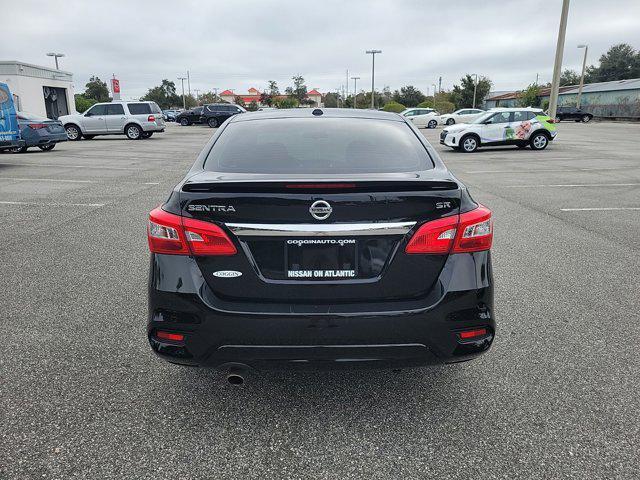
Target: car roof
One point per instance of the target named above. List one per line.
(514, 109)
(326, 113)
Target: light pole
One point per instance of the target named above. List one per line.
(373, 74)
(557, 66)
(56, 56)
(584, 65)
(188, 82)
(197, 90)
(182, 79)
(355, 91)
(475, 87)
(215, 93)
(434, 96)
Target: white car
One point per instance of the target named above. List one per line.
(134, 119)
(464, 115)
(502, 126)
(422, 117)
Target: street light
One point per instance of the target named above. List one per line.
(355, 91)
(584, 65)
(557, 65)
(56, 56)
(475, 87)
(434, 95)
(373, 73)
(184, 104)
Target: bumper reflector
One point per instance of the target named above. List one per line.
(174, 337)
(469, 334)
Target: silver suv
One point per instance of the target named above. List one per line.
(134, 119)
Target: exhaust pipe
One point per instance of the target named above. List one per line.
(235, 379)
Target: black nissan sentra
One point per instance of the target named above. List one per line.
(319, 238)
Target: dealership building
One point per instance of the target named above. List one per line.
(615, 99)
(39, 90)
(253, 95)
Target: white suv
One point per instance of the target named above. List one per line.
(464, 115)
(422, 117)
(136, 120)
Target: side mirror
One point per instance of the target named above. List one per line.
(88, 114)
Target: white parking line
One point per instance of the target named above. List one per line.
(570, 185)
(586, 169)
(597, 209)
(64, 180)
(37, 204)
(68, 166)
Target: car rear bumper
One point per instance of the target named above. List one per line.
(417, 332)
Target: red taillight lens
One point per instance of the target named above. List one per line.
(165, 233)
(151, 118)
(171, 234)
(469, 334)
(551, 120)
(475, 231)
(37, 126)
(469, 232)
(435, 237)
(174, 337)
(205, 238)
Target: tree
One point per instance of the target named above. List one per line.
(427, 103)
(239, 101)
(620, 62)
(288, 102)
(393, 106)
(462, 95)
(409, 96)
(253, 106)
(299, 89)
(96, 89)
(331, 100)
(268, 96)
(165, 95)
(529, 96)
(442, 102)
(83, 103)
(569, 77)
(207, 97)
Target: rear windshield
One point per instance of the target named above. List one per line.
(139, 108)
(318, 145)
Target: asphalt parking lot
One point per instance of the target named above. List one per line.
(82, 396)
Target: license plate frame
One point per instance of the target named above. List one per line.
(321, 259)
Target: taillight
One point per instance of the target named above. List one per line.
(475, 333)
(37, 126)
(151, 118)
(468, 232)
(172, 234)
(551, 120)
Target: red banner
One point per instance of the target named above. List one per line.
(115, 85)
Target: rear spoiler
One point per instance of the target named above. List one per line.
(321, 187)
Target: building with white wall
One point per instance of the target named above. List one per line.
(39, 90)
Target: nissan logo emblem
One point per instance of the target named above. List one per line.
(320, 210)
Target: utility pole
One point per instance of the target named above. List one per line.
(584, 66)
(439, 84)
(188, 83)
(475, 87)
(184, 104)
(197, 94)
(355, 90)
(557, 66)
(373, 75)
(56, 56)
(215, 93)
(537, 75)
(347, 84)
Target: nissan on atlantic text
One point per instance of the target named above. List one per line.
(323, 238)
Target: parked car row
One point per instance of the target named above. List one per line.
(430, 118)
(213, 114)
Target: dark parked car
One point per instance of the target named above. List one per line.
(216, 113)
(319, 238)
(39, 132)
(189, 117)
(573, 113)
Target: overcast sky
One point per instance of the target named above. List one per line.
(239, 44)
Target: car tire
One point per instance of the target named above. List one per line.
(88, 137)
(18, 149)
(184, 122)
(73, 132)
(212, 122)
(133, 131)
(450, 121)
(147, 134)
(46, 148)
(469, 143)
(432, 124)
(539, 141)
(586, 118)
